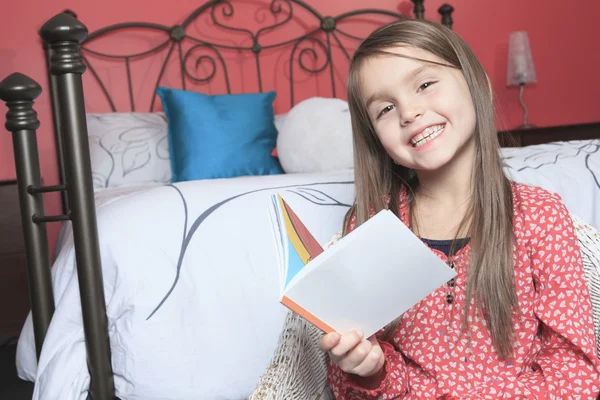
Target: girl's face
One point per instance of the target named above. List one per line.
(422, 112)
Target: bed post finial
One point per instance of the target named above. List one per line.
(19, 92)
(418, 9)
(63, 34)
(446, 11)
(70, 12)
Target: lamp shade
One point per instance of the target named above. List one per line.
(520, 62)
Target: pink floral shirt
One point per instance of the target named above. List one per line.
(554, 352)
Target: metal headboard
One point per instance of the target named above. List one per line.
(177, 36)
(66, 42)
(319, 43)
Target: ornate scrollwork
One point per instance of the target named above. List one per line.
(311, 49)
(228, 11)
(308, 52)
(204, 59)
(276, 9)
(276, 6)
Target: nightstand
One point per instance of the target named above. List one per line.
(14, 286)
(538, 135)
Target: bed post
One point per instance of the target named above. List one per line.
(56, 121)
(418, 9)
(446, 11)
(19, 93)
(56, 124)
(63, 35)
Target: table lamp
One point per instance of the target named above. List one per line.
(520, 67)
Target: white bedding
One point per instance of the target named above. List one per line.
(571, 169)
(218, 316)
(215, 332)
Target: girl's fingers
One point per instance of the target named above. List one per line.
(329, 341)
(347, 342)
(353, 354)
(355, 357)
(372, 363)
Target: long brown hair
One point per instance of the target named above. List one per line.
(489, 219)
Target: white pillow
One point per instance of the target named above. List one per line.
(278, 121)
(570, 169)
(316, 136)
(128, 149)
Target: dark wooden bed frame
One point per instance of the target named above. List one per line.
(65, 39)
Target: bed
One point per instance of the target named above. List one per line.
(165, 290)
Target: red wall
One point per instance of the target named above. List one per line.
(565, 53)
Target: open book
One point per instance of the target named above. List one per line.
(364, 281)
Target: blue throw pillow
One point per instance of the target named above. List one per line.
(221, 136)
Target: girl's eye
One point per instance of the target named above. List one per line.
(385, 110)
(425, 86)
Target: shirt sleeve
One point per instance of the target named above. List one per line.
(566, 364)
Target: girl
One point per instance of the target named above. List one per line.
(516, 321)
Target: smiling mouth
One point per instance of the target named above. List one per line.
(427, 135)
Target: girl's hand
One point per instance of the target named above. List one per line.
(353, 354)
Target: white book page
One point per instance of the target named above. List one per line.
(380, 270)
(280, 239)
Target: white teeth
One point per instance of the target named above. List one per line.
(427, 135)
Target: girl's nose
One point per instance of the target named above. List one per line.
(408, 116)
